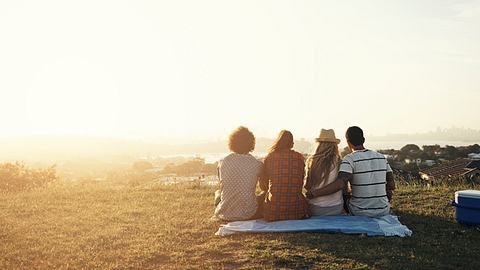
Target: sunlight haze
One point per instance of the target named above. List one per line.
(181, 70)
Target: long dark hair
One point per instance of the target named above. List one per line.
(325, 159)
(283, 142)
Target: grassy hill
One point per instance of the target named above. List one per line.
(100, 226)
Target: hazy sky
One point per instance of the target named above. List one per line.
(197, 69)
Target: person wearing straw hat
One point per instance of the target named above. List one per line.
(322, 169)
(370, 177)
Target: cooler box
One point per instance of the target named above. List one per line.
(467, 204)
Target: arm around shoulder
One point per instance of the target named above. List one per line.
(339, 184)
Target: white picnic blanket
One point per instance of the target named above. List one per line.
(382, 226)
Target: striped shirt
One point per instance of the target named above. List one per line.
(369, 178)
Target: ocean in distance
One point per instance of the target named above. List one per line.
(374, 145)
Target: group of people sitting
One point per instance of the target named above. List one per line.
(291, 187)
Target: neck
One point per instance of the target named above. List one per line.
(359, 147)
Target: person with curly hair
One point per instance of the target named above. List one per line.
(238, 173)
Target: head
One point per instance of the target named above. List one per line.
(325, 159)
(355, 137)
(283, 142)
(241, 141)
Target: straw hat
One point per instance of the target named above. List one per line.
(327, 135)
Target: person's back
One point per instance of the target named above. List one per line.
(284, 171)
(322, 169)
(239, 173)
(369, 173)
(370, 177)
(238, 179)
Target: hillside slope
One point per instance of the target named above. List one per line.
(96, 226)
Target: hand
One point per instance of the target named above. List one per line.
(309, 195)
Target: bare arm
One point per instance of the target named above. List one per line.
(263, 180)
(333, 187)
(390, 185)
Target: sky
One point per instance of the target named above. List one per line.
(194, 70)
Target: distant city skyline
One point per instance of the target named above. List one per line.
(195, 70)
(61, 148)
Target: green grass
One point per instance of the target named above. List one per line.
(96, 226)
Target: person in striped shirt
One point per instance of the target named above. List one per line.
(370, 177)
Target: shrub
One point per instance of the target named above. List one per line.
(191, 167)
(142, 166)
(17, 176)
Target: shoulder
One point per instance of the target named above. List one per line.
(349, 158)
(230, 156)
(298, 155)
(373, 154)
(253, 159)
(224, 161)
(377, 154)
(347, 164)
(270, 155)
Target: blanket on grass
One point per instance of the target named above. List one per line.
(382, 226)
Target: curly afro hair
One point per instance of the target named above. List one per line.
(241, 141)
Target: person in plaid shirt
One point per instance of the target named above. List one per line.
(282, 180)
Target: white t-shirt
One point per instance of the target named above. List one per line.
(369, 170)
(331, 199)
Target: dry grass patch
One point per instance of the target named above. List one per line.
(100, 226)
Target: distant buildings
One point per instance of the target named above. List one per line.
(474, 156)
(419, 161)
(465, 168)
(429, 162)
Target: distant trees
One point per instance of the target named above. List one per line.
(18, 177)
(431, 151)
(434, 152)
(345, 151)
(465, 150)
(141, 171)
(409, 151)
(428, 152)
(191, 167)
(141, 166)
(450, 152)
(410, 148)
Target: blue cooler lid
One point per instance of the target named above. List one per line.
(467, 194)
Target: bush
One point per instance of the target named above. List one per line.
(142, 166)
(191, 167)
(18, 177)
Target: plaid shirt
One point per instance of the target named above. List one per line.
(283, 181)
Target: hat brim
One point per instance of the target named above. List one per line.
(327, 140)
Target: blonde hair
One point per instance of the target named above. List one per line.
(325, 159)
